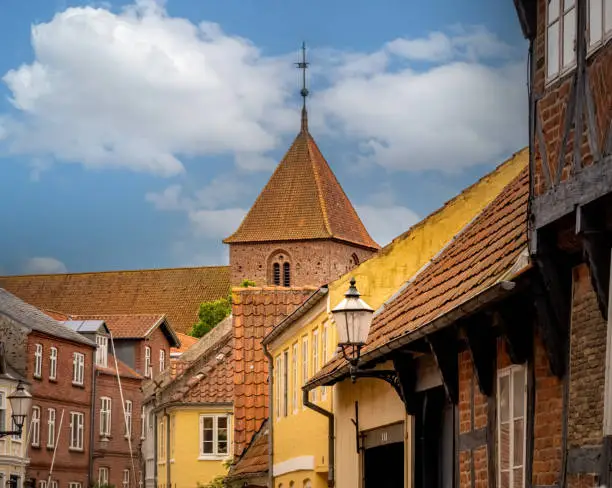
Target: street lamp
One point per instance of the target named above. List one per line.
(20, 401)
(353, 318)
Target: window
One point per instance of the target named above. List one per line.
(355, 259)
(50, 427)
(143, 425)
(162, 360)
(560, 36)
(126, 478)
(161, 439)
(277, 382)
(78, 368)
(128, 418)
(53, 363)
(294, 379)
(286, 274)
(103, 476)
(42, 484)
(214, 435)
(3, 425)
(38, 352)
(53, 484)
(600, 21)
(324, 339)
(102, 351)
(285, 383)
(315, 357)
(276, 274)
(105, 416)
(75, 484)
(77, 422)
(147, 370)
(305, 360)
(511, 400)
(35, 427)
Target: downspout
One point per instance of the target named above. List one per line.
(270, 416)
(154, 413)
(92, 423)
(168, 471)
(330, 436)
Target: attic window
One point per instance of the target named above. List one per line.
(102, 351)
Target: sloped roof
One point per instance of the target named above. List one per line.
(186, 342)
(254, 461)
(302, 200)
(124, 370)
(174, 292)
(480, 256)
(86, 326)
(130, 326)
(32, 318)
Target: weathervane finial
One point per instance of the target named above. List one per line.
(303, 65)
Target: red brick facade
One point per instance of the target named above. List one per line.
(71, 465)
(157, 341)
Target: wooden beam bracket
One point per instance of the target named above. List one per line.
(483, 349)
(444, 347)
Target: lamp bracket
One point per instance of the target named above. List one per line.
(388, 375)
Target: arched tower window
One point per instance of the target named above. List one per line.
(276, 275)
(355, 259)
(286, 274)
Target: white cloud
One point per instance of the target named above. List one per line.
(216, 223)
(386, 223)
(44, 265)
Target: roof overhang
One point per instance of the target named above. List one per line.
(527, 14)
(167, 330)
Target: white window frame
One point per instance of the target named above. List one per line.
(161, 442)
(77, 431)
(78, 368)
(42, 484)
(143, 424)
(54, 484)
(563, 68)
(285, 383)
(162, 360)
(128, 418)
(315, 358)
(106, 412)
(35, 427)
(102, 351)
(126, 478)
(295, 375)
(53, 363)
(51, 415)
(103, 475)
(606, 34)
(278, 383)
(509, 372)
(38, 356)
(75, 484)
(305, 361)
(147, 367)
(3, 412)
(216, 454)
(324, 353)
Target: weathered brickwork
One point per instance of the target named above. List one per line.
(312, 262)
(587, 364)
(15, 338)
(466, 380)
(465, 469)
(481, 476)
(156, 341)
(582, 481)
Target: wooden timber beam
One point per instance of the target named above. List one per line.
(483, 349)
(405, 368)
(596, 243)
(515, 319)
(445, 349)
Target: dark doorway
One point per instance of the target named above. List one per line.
(384, 466)
(434, 433)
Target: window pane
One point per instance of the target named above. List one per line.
(567, 4)
(208, 447)
(553, 10)
(505, 480)
(569, 37)
(504, 445)
(608, 16)
(518, 442)
(518, 392)
(504, 398)
(595, 21)
(517, 482)
(552, 51)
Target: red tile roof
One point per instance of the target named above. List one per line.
(303, 200)
(254, 460)
(124, 370)
(478, 257)
(176, 292)
(186, 342)
(126, 326)
(256, 311)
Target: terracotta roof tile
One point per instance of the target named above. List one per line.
(256, 311)
(302, 200)
(186, 342)
(477, 258)
(254, 460)
(175, 292)
(126, 326)
(124, 370)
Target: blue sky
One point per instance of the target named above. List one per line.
(136, 135)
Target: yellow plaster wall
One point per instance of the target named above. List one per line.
(305, 433)
(186, 470)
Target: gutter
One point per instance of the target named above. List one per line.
(330, 434)
(270, 416)
(169, 405)
(494, 292)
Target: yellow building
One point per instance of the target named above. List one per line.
(193, 415)
(305, 340)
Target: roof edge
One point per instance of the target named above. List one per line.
(114, 271)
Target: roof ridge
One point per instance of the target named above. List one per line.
(317, 177)
(114, 271)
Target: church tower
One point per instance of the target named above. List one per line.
(302, 229)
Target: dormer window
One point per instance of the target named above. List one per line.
(102, 351)
(280, 269)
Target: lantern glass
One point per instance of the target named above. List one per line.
(20, 401)
(353, 318)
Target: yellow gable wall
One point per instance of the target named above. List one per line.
(303, 434)
(186, 469)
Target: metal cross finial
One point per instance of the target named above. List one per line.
(303, 65)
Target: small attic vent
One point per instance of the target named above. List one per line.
(220, 357)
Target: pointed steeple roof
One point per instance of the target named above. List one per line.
(303, 200)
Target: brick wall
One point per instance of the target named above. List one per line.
(70, 465)
(313, 263)
(15, 338)
(156, 341)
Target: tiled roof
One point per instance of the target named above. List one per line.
(34, 319)
(302, 200)
(186, 342)
(175, 292)
(256, 311)
(124, 370)
(126, 326)
(480, 255)
(254, 460)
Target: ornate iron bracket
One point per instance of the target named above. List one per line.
(390, 376)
